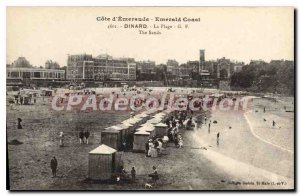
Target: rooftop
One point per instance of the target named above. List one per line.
(103, 149)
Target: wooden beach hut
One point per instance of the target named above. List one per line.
(102, 163)
(148, 128)
(140, 138)
(144, 117)
(128, 137)
(111, 137)
(161, 129)
(155, 121)
(161, 115)
(125, 127)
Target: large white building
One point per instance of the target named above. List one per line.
(102, 67)
(34, 73)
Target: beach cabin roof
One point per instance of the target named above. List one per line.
(125, 125)
(146, 128)
(128, 122)
(154, 120)
(133, 120)
(161, 125)
(150, 112)
(103, 149)
(141, 133)
(110, 130)
(161, 114)
(115, 127)
(141, 115)
(146, 124)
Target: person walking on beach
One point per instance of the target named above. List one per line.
(218, 138)
(209, 128)
(81, 136)
(61, 139)
(87, 135)
(274, 123)
(53, 165)
(133, 173)
(19, 123)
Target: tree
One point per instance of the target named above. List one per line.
(21, 62)
(276, 76)
(49, 64)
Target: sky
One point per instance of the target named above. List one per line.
(242, 34)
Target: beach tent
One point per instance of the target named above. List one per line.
(149, 112)
(161, 115)
(129, 126)
(124, 129)
(144, 117)
(120, 127)
(155, 120)
(134, 121)
(112, 138)
(140, 138)
(161, 129)
(102, 163)
(147, 128)
(128, 137)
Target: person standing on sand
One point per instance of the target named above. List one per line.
(87, 135)
(53, 165)
(209, 128)
(218, 138)
(133, 173)
(19, 123)
(274, 123)
(61, 139)
(147, 148)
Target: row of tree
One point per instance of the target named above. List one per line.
(22, 62)
(259, 76)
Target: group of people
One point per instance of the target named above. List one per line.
(125, 176)
(22, 99)
(84, 137)
(153, 147)
(174, 125)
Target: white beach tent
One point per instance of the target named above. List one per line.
(102, 163)
(140, 138)
(161, 129)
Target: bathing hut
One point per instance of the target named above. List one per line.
(132, 122)
(102, 163)
(140, 138)
(147, 128)
(111, 137)
(123, 128)
(155, 121)
(161, 129)
(128, 137)
(144, 117)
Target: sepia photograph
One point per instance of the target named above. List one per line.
(150, 98)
